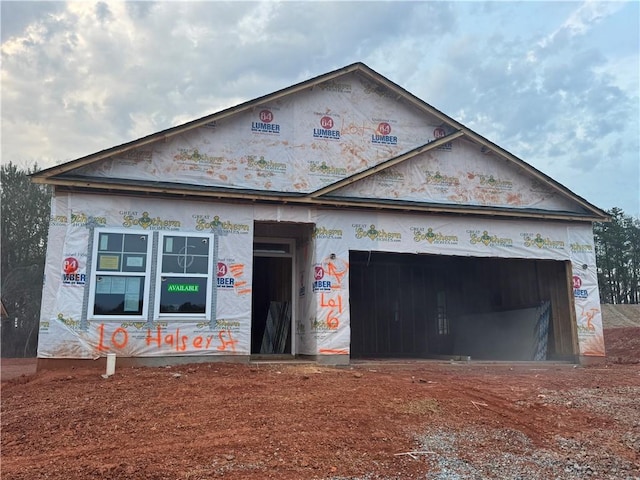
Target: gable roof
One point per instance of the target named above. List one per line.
(65, 175)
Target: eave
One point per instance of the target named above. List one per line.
(164, 190)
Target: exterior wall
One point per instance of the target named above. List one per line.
(461, 173)
(67, 330)
(322, 327)
(316, 137)
(338, 232)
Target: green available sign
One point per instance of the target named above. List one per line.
(182, 288)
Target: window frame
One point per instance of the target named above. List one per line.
(95, 273)
(210, 277)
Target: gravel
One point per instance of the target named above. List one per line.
(463, 455)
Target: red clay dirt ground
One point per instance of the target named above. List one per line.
(385, 420)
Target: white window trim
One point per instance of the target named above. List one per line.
(94, 275)
(211, 276)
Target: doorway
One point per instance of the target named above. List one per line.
(272, 297)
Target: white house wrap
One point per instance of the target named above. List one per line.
(256, 229)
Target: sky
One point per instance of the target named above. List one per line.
(554, 83)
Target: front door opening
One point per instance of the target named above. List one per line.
(272, 302)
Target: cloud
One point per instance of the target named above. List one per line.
(17, 16)
(555, 83)
(129, 69)
(587, 15)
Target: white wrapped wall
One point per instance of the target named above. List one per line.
(339, 232)
(322, 317)
(61, 332)
(310, 139)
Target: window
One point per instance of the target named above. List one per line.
(122, 275)
(120, 268)
(186, 270)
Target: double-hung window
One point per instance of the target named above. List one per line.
(185, 269)
(121, 275)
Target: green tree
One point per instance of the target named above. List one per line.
(633, 237)
(618, 258)
(25, 211)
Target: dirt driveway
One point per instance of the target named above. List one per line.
(427, 420)
(387, 420)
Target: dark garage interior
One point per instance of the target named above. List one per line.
(426, 306)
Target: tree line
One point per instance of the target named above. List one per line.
(24, 228)
(25, 212)
(618, 258)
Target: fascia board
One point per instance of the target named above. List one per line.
(253, 197)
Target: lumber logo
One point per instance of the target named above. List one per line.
(326, 129)
(578, 291)
(440, 132)
(265, 125)
(222, 269)
(382, 135)
(70, 272)
(320, 284)
(223, 280)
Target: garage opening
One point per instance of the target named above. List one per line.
(426, 306)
